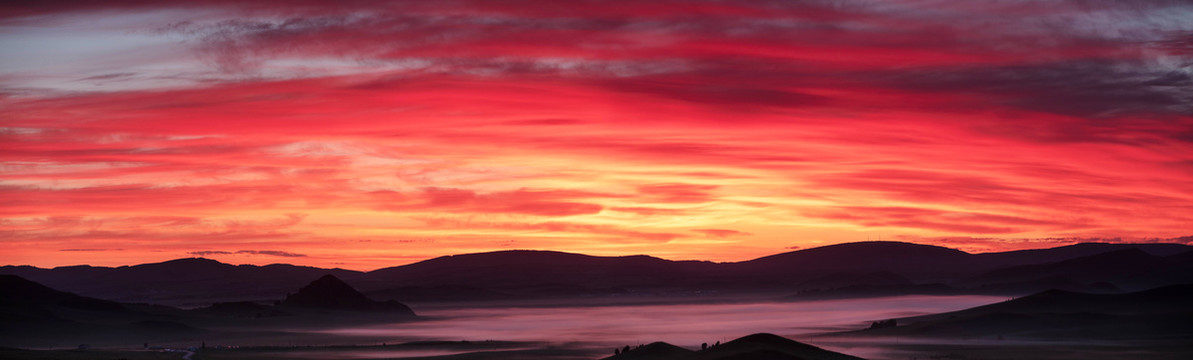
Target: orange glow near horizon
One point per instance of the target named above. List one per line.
(366, 138)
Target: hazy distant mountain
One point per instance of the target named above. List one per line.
(753, 347)
(1129, 269)
(1056, 314)
(19, 293)
(853, 269)
(1037, 256)
(331, 293)
(191, 281)
(32, 314)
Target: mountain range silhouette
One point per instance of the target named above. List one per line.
(843, 270)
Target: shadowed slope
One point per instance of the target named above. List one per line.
(32, 314)
(19, 293)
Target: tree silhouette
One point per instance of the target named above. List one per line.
(882, 324)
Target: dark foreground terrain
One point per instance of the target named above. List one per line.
(1106, 302)
(1054, 324)
(757, 346)
(35, 316)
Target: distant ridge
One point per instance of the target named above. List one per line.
(875, 268)
(183, 282)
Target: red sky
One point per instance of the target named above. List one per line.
(363, 135)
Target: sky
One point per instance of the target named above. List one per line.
(362, 134)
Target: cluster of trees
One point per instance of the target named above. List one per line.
(624, 350)
(627, 349)
(882, 324)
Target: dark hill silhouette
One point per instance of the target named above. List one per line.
(187, 282)
(752, 347)
(32, 314)
(1036, 256)
(655, 350)
(17, 292)
(1130, 269)
(540, 273)
(1057, 314)
(769, 346)
(329, 292)
(905, 259)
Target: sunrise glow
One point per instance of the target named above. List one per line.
(363, 136)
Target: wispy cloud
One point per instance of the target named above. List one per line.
(246, 252)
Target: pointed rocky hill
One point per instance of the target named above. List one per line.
(329, 292)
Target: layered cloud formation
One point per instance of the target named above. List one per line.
(364, 135)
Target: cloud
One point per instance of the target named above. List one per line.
(587, 126)
(949, 221)
(647, 211)
(246, 252)
(1084, 88)
(538, 202)
(678, 193)
(615, 233)
(210, 252)
(720, 233)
